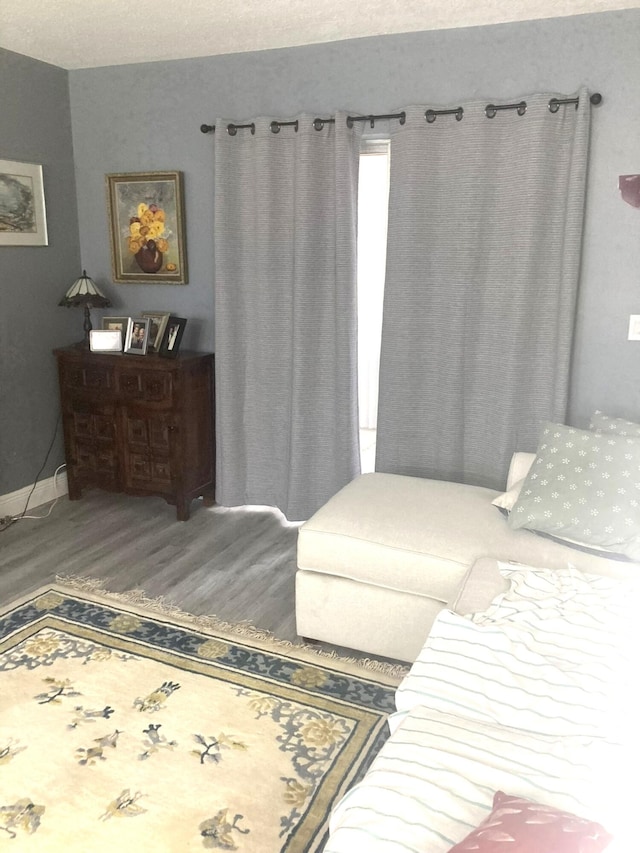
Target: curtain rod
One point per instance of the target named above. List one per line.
(430, 115)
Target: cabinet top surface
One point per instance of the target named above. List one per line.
(152, 359)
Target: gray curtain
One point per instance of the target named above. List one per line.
(285, 313)
(485, 229)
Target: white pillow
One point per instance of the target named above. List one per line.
(507, 499)
(521, 463)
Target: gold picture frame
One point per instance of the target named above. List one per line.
(146, 227)
(112, 324)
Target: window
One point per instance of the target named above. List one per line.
(373, 201)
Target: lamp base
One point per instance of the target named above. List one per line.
(87, 327)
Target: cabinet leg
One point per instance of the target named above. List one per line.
(183, 509)
(74, 492)
(208, 496)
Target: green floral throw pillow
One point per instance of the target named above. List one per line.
(584, 486)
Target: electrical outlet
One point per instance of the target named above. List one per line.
(634, 327)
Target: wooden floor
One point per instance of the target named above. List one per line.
(238, 564)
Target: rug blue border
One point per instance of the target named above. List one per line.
(160, 633)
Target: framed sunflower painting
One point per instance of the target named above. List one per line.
(146, 225)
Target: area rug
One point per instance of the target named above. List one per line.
(129, 727)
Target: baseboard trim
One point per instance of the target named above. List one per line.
(45, 491)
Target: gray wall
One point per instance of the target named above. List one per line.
(35, 126)
(139, 117)
(147, 117)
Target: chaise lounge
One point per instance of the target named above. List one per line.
(515, 726)
(379, 561)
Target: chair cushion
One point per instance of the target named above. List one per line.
(420, 536)
(405, 533)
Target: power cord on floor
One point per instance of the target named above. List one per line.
(8, 520)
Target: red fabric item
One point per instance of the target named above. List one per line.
(520, 826)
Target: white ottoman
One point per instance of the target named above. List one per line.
(385, 555)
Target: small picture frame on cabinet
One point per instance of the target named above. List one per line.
(137, 336)
(159, 320)
(116, 324)
(105, 340)
(172, 337)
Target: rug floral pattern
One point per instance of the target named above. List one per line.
(123, 731)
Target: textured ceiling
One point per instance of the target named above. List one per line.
(93, 33)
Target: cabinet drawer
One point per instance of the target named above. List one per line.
(149, 386)
(92, 377)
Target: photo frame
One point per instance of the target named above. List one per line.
(23, 219)
(156, 329)
(137, 337)
(172, 338)
(105, 340)
(113, 324)
(146, 227)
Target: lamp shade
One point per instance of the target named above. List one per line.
(84, 291)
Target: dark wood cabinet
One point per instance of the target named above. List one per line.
(143, 425)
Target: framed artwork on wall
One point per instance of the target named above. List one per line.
(146, 227)
(23, 220)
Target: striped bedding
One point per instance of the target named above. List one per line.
(534, 697)
(434, 781)
(555, 654)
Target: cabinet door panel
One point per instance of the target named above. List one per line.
(148, 473)
(138, 469)
(104, 427)
(93, 425)
(156, 387)
(92, 458)
(97, 377)
(161, 471)
(159, 431)
(137, 431)
(82, 424)
(131, 384)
